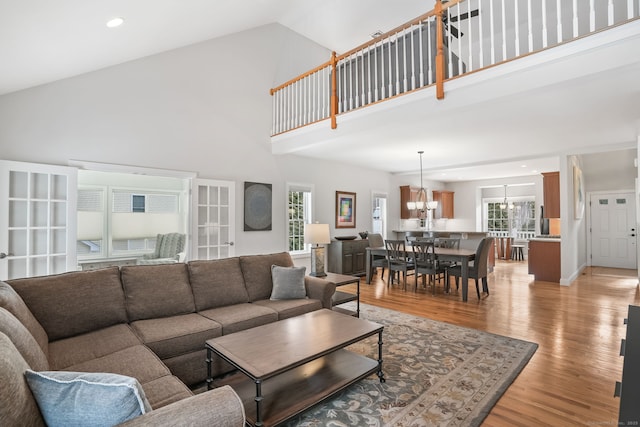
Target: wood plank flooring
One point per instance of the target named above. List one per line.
(571, 378)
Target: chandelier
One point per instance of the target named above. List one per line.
(421, 203)
(504, 204)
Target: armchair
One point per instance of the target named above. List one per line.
(169, 250)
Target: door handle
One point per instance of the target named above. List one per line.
(228, 243)
(633, 235)
(3, 255)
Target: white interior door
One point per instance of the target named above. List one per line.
(214, 219)
(37, 219)
(613, 230)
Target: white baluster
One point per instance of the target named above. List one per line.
(480, 38)
(413, 59)
(375, 71)
(611, 13)
(504, 32)
(356, 69)
(559, 26)
(544, 24)
(530, 26)
(430, 51)
(420, 44)
(469, 42)
(460, 39)
(449, 45)
(382, 80)
(516, 18)
(405, 80)
(345, 98)
(592, 16)
(397, 64)
(390, 73)
(629, 9)
(575, 18)
(492, 33)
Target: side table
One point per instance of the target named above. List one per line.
(341, 297)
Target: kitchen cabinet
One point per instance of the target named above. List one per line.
(407, 194)
(445, 204)
(544, 259)
(348, 256)
(551, 196)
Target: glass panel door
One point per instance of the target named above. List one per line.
(37, 219)
(214, 224)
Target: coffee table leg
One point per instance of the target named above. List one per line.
(209, 377)
(380, 373)
(258, 400)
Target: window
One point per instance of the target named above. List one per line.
(299, 214)
(504, 222)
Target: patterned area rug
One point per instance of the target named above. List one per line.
(437, 374)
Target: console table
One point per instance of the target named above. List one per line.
(348, 256)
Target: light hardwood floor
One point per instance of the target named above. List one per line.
(570, 379)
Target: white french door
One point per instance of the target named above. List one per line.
(213, 219)
(37, 219)
(613, 230)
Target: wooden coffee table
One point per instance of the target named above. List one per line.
(287, 366)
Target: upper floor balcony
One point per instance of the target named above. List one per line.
(423, 76)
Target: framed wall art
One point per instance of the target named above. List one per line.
(345, 209)
(257, 206)
(578, 192)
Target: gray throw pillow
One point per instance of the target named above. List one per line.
(86, 399)
(288, 282)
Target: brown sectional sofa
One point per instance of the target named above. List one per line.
(147, 322)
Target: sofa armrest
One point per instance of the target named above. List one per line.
(319, 288)
(220, 407)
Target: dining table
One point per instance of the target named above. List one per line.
(462, 256)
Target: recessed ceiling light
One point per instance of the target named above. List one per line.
(115, 22)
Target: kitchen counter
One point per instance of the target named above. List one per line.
(545, 239)
(468, 239)
(544, 259)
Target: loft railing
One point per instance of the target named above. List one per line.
(455, 38)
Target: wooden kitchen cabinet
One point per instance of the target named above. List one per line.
(445, 204)
(407, 194)
(544, 260)
(551, 196)
(348, 257)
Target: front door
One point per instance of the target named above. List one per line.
(613, 230)
(37, 219)
(213, 219)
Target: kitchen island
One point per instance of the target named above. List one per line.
(544, 258)
(468, 239)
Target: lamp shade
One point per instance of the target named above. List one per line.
(432, 205)
(317, 234)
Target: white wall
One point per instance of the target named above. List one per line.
(204, 108)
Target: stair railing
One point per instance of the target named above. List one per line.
(454, 39)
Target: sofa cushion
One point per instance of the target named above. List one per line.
(17, 405)
(216, 283)
(153, 291)
(291, 307)
(73, 303)
(10, 300)
(23, 340)
(137, 361)
(71, 351)
(176, 335)
(86, 399)
(256, 270)
(288, 282)
(239, 317)
(165, 390)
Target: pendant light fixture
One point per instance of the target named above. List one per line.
(421, 203)
(505, 204)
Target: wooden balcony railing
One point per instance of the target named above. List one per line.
(456, 38)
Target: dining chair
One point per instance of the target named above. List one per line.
(376, 241)
(426, 263)
(447, 242)
(398, 261)
(480, 269)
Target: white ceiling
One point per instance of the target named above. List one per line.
(486, 127)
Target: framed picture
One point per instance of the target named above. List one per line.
(257, 206)
(345, 209)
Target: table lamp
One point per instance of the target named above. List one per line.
(317, 234)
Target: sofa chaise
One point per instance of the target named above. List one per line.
(149, 323)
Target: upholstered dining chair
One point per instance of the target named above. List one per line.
(426, 263)
(480, 269)
(169, 250)
(398, 260)
(376, 241)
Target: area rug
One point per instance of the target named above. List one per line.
(437, 374)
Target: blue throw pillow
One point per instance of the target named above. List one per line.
(85, 398)
(288, 282)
